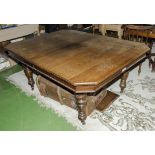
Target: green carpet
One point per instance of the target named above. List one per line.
(19, 112)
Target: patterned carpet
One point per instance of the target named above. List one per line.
(3, 63)
(133, 110)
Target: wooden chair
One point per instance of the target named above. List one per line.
(104, 28)
(139, 34)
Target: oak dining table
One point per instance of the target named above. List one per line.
(82, 63)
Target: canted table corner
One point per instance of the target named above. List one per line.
(82, 63)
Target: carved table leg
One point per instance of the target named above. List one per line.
(81, 104)
(123, 81)
(29, 76)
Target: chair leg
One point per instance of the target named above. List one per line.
(150, 59)
(153, 65)
(150, 44)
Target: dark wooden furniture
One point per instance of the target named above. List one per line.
(144, 34)
(59, 94)
(82, 63)
(53, 27)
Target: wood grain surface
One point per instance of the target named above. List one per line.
(78, 59)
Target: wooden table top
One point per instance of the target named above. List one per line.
(81, 61)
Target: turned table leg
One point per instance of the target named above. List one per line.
(29, 76)
(139, 70)
(81, 104)
(123, 81)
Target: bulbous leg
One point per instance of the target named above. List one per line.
(123, 81)
(29, 76)
(81, 104)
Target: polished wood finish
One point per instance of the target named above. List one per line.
(79, 62)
